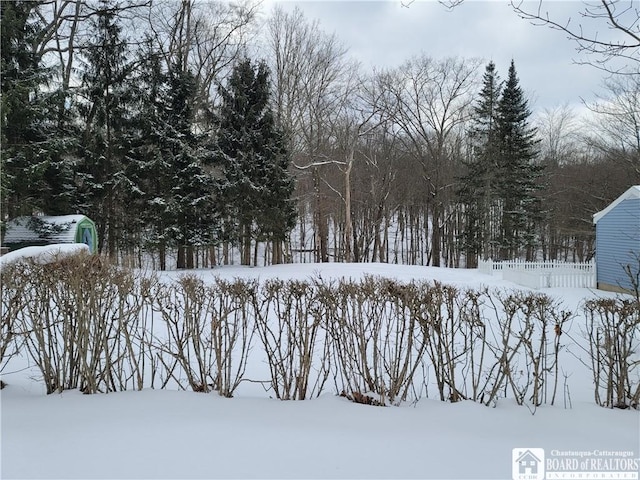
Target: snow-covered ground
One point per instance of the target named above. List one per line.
(178, 434)
(43, 254)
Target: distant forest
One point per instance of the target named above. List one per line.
(202, 133)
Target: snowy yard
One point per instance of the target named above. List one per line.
(182, 434)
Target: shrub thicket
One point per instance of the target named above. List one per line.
(90, 325)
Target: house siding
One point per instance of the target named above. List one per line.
(618, 244)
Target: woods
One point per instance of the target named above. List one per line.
(193, 140)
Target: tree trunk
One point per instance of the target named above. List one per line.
(436, 241)
(181, 260)
(277, 252)
(162, 256)
(246, 245)
(321, 230)
(189, 253)
(348, 225)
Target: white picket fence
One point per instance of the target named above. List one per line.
(550, 274)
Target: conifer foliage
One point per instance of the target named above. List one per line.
(105, 110)
(478, 186)
(255, 187)
(189, 207)
(502, 177)
(146, 117)
(519, 176)
(23, 112)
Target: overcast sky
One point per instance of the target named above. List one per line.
(384, 33)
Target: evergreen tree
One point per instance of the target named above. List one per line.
(190, 209)
(169, 163)
(478, 186)
(256, 187)
(518, 175)
(106, 111)
(26, 133)
(150, 160)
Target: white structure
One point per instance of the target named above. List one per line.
(550, 274)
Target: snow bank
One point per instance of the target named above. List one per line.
(168, 434)
(44, 254)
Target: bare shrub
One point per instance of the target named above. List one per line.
(355, 331)
(525, 346)
(375, 341)
(473, 329)
(79, 322)
(232, 330)
(205, 327)
(90, 325)
(402, 345)
(507, 348)
(149, 363)
(543, 321)
(441, 330)
(294, 338)
(14, 281)
(613, 329)
(184, 307)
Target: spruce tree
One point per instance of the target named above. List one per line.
(190, 208)
(477, 191)
(518, 176)
(106, 112)
(150, 159)
(26, 128)
(256, 187)
(169, 163)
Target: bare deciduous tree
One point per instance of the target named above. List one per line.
(311, 76)
(616, 126)
(429, 100)
(203, 37)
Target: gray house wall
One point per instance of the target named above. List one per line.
(618, 245)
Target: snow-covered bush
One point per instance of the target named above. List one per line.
(90, 325)
(79, 318)
(613, 332)
(207, 332)
(290, 324)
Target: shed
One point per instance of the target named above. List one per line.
(618, 242)
(46, 230)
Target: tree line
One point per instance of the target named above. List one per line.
(202, 133)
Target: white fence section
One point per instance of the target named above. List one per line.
(543, 274)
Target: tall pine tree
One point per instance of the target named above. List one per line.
(27, 136)
(150, 166)
(191, 218)
(477, 191)
(517, 173)
(256, 187)
(106, 111)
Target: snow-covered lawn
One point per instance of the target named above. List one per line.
(43, 254)
(180, 434)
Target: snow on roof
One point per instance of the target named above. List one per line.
(633, 192)
(49, 229)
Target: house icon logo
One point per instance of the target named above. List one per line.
(527, 463)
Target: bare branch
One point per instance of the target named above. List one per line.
(589, 38)
(607, 17)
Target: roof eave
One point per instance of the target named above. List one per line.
(633, 192)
